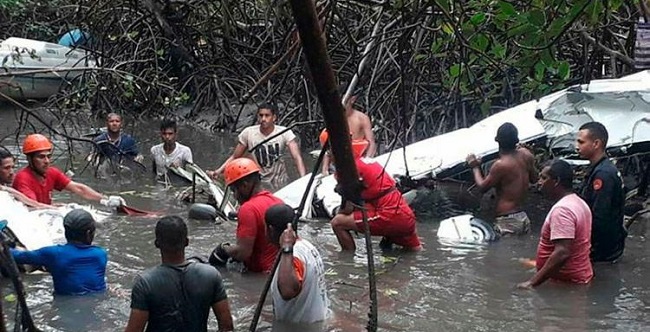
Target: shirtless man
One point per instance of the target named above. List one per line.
(360, 129)
(510, 175)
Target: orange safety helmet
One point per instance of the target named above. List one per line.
(35, 143)
(324, 136)
(239, 168)
(359, 146)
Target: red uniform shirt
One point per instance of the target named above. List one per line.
(28, 183)
(251, 224)
(380, 193)
(388, 213)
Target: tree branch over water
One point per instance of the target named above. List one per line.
(429, 66)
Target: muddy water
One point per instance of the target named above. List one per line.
(446, 287)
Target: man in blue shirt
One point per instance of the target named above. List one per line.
(114, 144)
(77, 267)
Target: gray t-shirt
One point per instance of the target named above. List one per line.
(162, 160)
(178, 297)
(269, 155)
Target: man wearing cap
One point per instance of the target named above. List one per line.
(39, 178)
(77, 267)
(298, 288)
(253, 248)
(178, 294)
(388, 214)
(511, 175)
(7, 164)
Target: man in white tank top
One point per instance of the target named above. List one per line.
(298, 288)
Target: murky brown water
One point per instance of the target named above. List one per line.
(443, 288)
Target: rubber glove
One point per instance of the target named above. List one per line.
(112, 201)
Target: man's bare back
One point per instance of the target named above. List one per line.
(360, 126)
(515, 172)
(510, 176)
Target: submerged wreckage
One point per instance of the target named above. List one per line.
(549, 124)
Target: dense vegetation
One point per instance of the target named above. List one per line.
(432, 65)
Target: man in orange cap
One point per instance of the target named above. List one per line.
(39, 178)
(253, 248)
(388, 213)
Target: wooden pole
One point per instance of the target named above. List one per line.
(320, 65)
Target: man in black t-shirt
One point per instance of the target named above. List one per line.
(177, 295)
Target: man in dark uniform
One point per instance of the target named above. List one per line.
(603, 192)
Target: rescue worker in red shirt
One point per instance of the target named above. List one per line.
(7, 162)
(39, 178)
(388, 213)
(253, 248)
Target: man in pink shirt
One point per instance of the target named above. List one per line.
(565, 240)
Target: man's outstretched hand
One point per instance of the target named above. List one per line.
(112, 201)
(473, 161)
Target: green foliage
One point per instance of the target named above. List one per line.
(527, 45)
(10, 4)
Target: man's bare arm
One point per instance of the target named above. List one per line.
(221, 310)
(532, 169)
(325, 169)
(137, 320)
(240, 150)
(84, 191)
(243, 250)
(529, 158)
(493, 177)
(560, 254)
(369, 135)
(294, 149)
